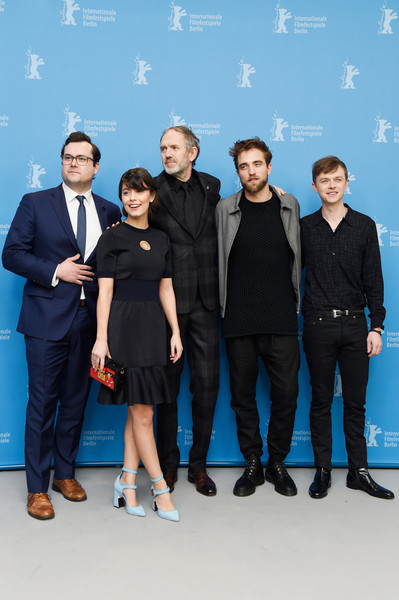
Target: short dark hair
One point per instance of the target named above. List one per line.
(139, 179)
(191, 139)
(243, 145)
(79, 136)
(328, 164)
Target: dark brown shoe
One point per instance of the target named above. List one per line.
(70, 489)
(170, 478)
(203, 483)
(40, 507)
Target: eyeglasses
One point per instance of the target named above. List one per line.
(81, 160)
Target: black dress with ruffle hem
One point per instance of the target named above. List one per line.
(137, 259)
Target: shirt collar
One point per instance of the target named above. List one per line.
(348, 218)
(70, 195)
(176, 184)
(349, 215)
(318, 217)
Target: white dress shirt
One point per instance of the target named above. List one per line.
(93, 227)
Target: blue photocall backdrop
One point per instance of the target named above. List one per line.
(310, 77)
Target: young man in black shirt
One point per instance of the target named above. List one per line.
(259, 273)
(341, 255)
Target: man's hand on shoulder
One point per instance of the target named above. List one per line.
(279, 190)
(114, 224)
(72, 272)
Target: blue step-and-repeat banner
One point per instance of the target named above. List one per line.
(310, 77)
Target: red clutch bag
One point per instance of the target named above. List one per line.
(112, 376)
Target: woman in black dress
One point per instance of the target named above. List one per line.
(135, 294)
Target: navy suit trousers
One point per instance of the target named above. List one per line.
(58, 379)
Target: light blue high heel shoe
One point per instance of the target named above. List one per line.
(169, 515)
(119, 497)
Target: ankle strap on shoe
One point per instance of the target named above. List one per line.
(159, 492)
(157, 478)
(129, 471)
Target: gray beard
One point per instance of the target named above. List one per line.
(177, 169)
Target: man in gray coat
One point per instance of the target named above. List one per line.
(259, 280)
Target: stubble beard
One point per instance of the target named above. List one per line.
(258, 188)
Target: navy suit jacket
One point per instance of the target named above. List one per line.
(40, 238)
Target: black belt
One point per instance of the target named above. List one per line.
(335, 312)
(136, 289)
(82, 303)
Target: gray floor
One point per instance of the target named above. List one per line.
(262, 546)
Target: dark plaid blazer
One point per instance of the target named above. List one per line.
(194, 258)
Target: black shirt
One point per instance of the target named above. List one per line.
(177, 187)
(343, 267)
(260, 296)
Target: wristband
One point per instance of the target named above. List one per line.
(376, 331)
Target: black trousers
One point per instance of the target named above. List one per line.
(327, 341)
(280, 355)
(199, 331)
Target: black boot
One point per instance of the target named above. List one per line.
(252, 476)
(277, 473)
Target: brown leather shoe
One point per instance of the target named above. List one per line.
(39, 506)
(170, 478)
(70, 489)
(203, 483)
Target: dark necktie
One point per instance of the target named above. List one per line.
(189, 209)
(81, 228)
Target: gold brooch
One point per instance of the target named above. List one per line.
(145, 245)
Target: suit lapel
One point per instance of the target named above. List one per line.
(204, 214)
(101, 211)
(58, 203)
(102, 216)
(169, 203)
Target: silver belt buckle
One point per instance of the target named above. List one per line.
(339, 313)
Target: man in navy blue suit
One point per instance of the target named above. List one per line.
(52, 242)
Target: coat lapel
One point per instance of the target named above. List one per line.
(204, 215)
(58, 203)
(102, 216)
(169, 203)
(101, 211)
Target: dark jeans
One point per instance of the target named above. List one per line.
(327, 341)
(280, 355)
(199, 332)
